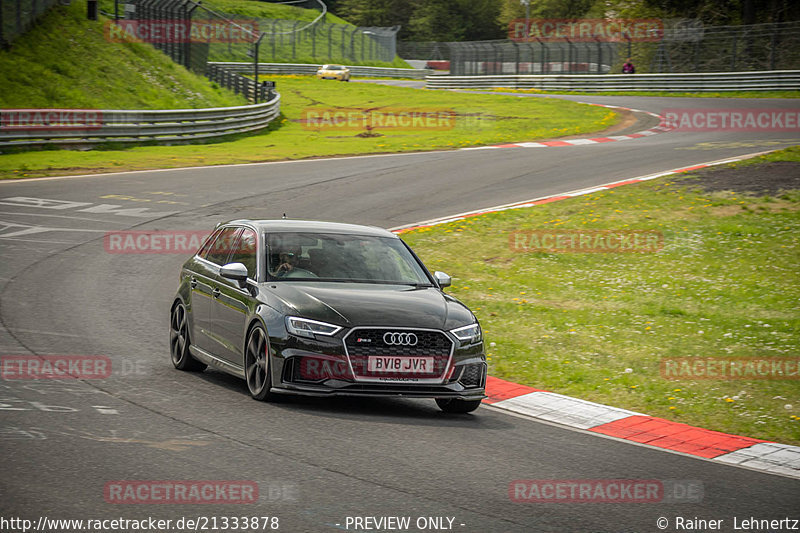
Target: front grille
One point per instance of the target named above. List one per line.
(361, 344)
(472, 375)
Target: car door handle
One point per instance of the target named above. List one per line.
(215, 293)
(193, 282)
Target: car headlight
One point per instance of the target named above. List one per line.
(304, 327)
(468, 334)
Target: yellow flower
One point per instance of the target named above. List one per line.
(729, 400)
(672, 407)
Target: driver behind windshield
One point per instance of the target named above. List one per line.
(288, 261)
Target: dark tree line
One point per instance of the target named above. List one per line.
(472, 20)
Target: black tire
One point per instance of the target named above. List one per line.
(179, 341)
(256, 365)
(454, 405)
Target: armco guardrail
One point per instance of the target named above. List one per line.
(689, 82)
(310, 68)
(36, 127)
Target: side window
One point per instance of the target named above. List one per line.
(218, 252)
(203, 251)
(245, 252)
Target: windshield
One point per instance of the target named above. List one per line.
(342, 258)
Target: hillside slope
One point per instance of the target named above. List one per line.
(267, 10)
(66, 61)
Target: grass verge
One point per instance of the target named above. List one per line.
(479, 120)
(598, 325)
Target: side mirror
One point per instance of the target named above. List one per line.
(442, 279)
(236, 272)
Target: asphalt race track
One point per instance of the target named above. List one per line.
(316, 461)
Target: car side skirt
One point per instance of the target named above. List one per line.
(215, 362)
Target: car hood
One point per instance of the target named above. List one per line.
(358, 304)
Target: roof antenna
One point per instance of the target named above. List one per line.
(284, 216)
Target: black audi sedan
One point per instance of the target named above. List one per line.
(320, 308)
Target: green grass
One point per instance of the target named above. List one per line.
(268, 10)
(721, 94)
(65, 61)
(596, 326)
(480, 120)
(254, 8)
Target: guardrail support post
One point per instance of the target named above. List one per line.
(257, 46)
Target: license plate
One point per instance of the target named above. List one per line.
(401, 365)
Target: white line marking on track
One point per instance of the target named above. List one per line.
(531, 145)
(40, 332)
(86, 219)
(587, 191)
(36, 241)
(106, 410)
(528, 203)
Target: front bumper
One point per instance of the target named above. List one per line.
(452, 390)
(323, 367)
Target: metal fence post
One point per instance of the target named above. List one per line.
(314, 42)
(353, 44)
(599, 55)
(294, 39)
(255, 65)
(772, 45)
(272, 38)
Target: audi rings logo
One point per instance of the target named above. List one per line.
(399, 339)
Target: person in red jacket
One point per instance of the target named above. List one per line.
(628, 67)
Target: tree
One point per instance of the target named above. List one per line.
(428, 20)
(456, 20)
